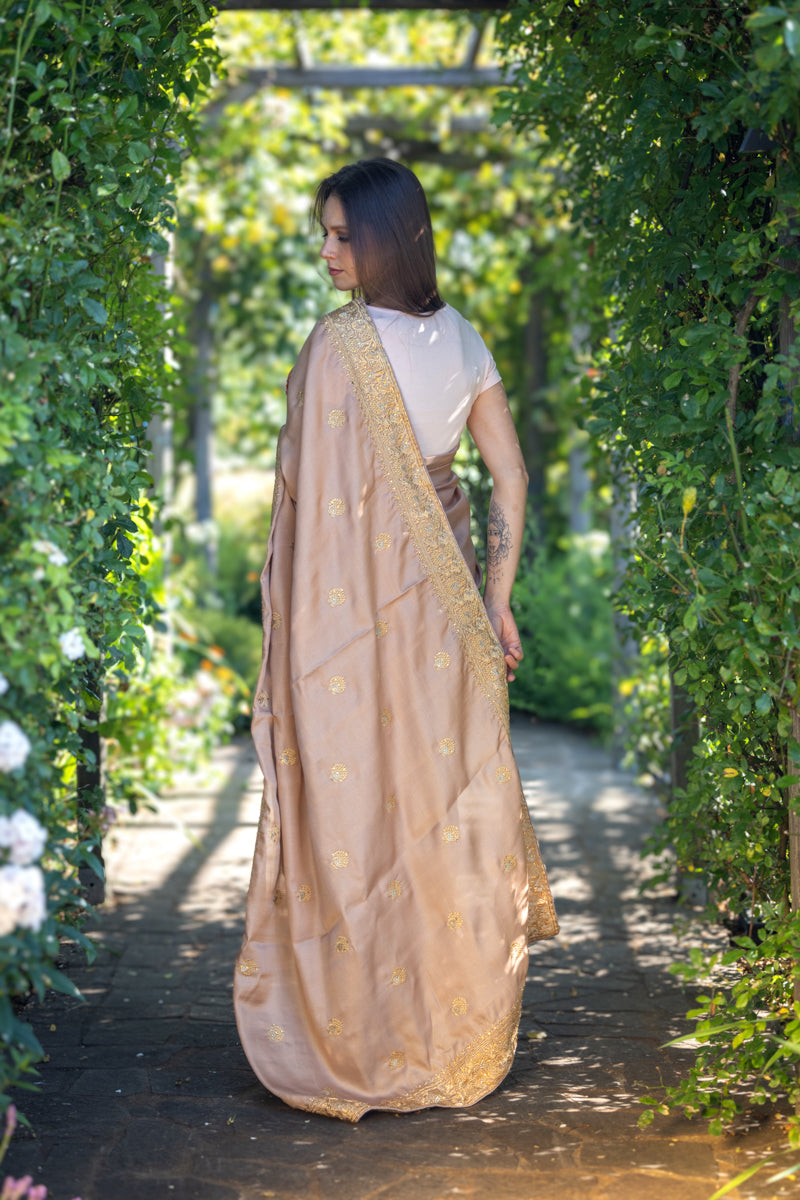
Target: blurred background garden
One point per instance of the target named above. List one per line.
(614, 193)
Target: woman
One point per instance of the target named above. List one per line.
(396, 877)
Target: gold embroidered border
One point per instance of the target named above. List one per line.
(357, 341)
(542, 919)
(470, 1076)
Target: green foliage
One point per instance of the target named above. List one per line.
(248, 263)
(562, 604)
(746, 1025)
(94, 112)
(694, 243)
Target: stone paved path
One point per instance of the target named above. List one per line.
(146, 1093)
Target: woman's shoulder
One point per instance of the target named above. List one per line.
(465, 328)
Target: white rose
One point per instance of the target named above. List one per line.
(23, 904)
(4, 685)
(23, 836)
(14, 746)
(54, 555)
(71, 644)
(8, 915)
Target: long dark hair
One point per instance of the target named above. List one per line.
(390, 233)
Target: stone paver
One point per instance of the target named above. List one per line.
(146, 1092)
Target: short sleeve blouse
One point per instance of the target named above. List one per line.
(441, 365)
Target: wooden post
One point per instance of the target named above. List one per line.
(90, 784)
(533, 421)
(202, 418)
(787, 337)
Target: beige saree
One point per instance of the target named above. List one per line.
(396, 878)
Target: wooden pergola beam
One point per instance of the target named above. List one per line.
(348, 78)
(415, 5)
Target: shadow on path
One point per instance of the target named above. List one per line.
(147, 1093)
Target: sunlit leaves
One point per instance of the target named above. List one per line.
(694, 241)
(92, 121)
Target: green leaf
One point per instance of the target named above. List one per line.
(59, 164)
(95, 309)
(728, 1187)
(770, 14)
(138, 152)
(60, 983)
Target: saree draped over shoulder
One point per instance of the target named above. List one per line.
(396, 879)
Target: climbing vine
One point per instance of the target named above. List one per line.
(95, 115)
(678, 124)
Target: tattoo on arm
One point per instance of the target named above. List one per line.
(499, 542)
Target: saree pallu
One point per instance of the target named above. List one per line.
(396, 878)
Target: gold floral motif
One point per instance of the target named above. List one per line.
(274, 833)
(451, 833)
(383, 541)
(303, 892)
(336, 684)
(277, 620)
(386, 717)
(399, 975)
(335, 1026)
(336, 418)
(288, 757)
(396, 1060)
(356, 339)
(336, 597)
(502, 774)
(395, 889)
(248, 966)
(459, 1006)
(510, 863)
(446, 747)
(275, 1033)
(454, 920)
(262, 699)
(391, 802)
(336, 506)
(516, 948)
(300, 398)
(381, 629)
(342, 945)
(441, 660)
(340, 859)
(338, 773)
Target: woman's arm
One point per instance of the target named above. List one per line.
(492, 428)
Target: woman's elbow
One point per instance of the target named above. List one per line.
(512, 476)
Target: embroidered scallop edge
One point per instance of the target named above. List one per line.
(467, 1078)
(542, 920)
(358, 343)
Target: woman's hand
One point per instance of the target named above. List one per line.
(504, 625)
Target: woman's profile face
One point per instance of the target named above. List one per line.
(336, 247)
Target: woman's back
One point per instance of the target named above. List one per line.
(441, 365)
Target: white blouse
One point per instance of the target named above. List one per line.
(441, 365)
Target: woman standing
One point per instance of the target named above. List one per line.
(396, 879)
